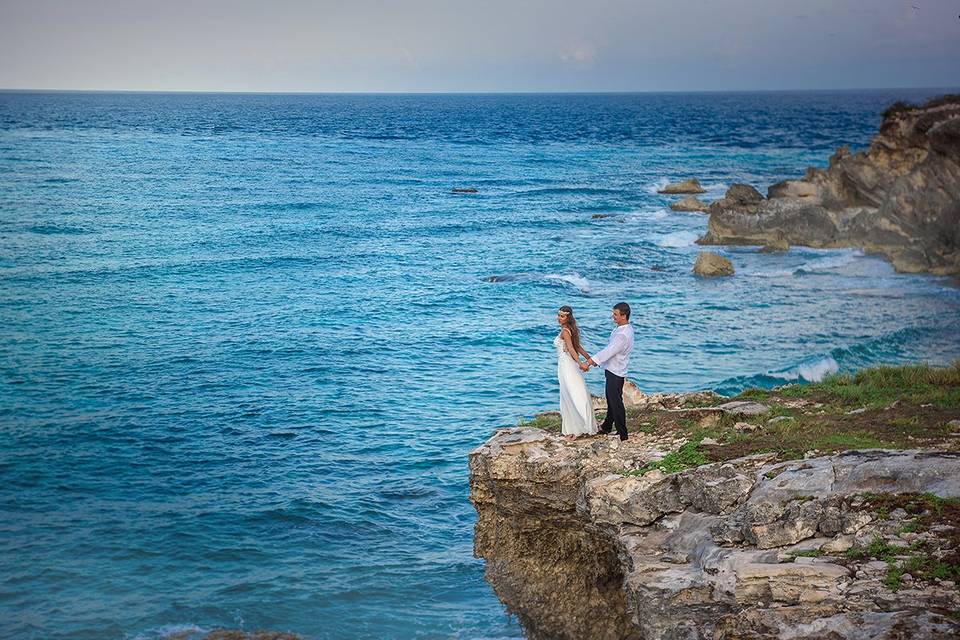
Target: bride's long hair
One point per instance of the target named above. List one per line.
(572, 325)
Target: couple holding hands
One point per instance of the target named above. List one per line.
(576, 405)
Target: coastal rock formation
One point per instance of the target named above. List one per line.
(899, 199)
(579, 544)
(690, 204)
(710, 264)
(632, 397)
(687, 186)
(775, 246)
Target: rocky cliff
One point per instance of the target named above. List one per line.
(899, 199)
(580, 542)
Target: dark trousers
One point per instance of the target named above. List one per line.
(616, 412)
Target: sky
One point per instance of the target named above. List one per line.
(484, 45)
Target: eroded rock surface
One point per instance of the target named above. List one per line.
(749, 548)
(899, 199)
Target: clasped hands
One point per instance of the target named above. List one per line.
(585, 366)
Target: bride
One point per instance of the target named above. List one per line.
(576, 406)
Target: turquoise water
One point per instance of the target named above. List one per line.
(247, 341)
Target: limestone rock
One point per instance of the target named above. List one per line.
(687, 186)
(710, 264)
(690, 203)
(739, 408)
(899, 199)
(577, 549)
(778, 245)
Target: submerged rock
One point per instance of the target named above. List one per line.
(710, 264)
(899, 199)
(687, 186)
(690, 203)
(463, 190)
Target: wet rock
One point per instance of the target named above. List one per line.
(687, 186)
(778, 245)
(710, 264)
(690, 204)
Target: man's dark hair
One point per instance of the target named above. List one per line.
(623, 308)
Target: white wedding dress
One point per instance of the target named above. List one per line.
(576, 406)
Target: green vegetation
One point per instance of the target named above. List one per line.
(546, 421)
(917, 560)
(753, 394)
(881, 386)
(689, 455)
(810, 553)
(879, 549)
(913, 526)
(920, 566)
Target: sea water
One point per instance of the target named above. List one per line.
(247, 341)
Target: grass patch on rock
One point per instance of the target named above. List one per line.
(687, 456)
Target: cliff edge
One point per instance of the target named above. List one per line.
(688, 530)
(899, 199)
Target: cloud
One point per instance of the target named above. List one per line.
(579, 56)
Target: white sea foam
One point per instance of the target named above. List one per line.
(830, 263)
(833, 262)
(811, 371)
(678, 239)
(715, 189)
(575, 279)
(657, 186)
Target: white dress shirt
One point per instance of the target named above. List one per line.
(615, 357)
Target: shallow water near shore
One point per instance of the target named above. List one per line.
(247, 341)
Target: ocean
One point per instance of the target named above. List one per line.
(247, 341)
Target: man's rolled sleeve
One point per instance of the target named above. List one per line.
(616, 345)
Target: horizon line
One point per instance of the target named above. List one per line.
(493, 92)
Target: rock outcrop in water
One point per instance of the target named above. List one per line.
(690, 204)
(577, 547)
(710, 265)
(686, 186)
(899, 199)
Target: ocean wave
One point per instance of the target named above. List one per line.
(574, 279)
(678, 239)
(656, 186)
(648, 213)
(888, 349)
(827, 264)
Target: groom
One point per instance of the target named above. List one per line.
(615, 357)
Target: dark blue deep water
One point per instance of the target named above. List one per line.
(247, 341)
